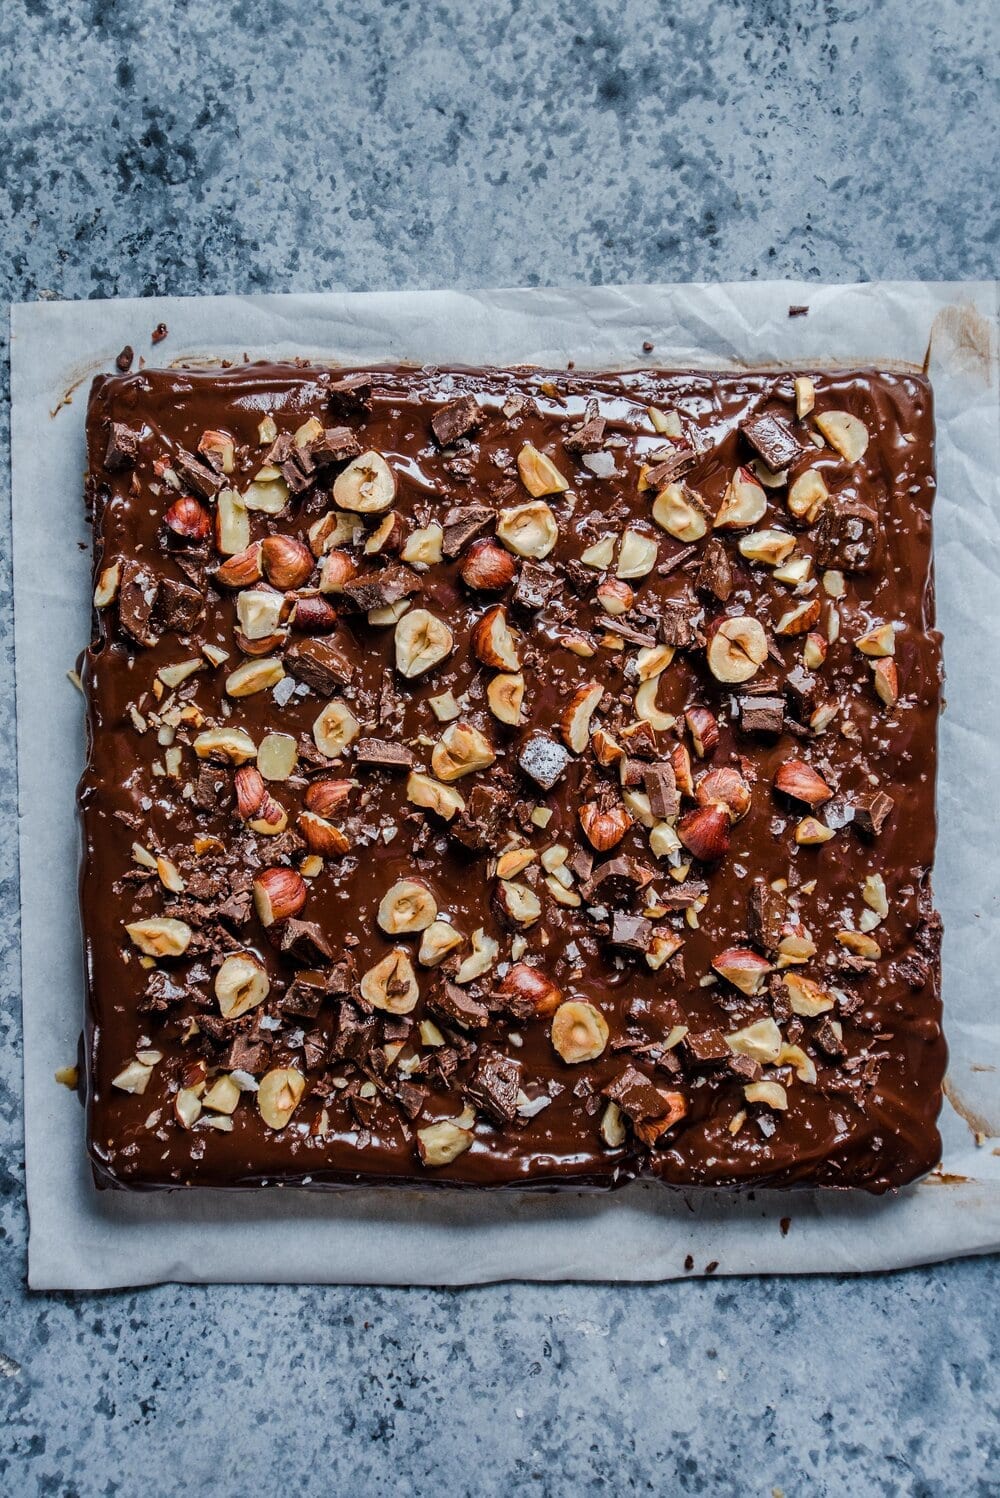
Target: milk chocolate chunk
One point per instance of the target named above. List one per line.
(771, 436)
(456, 419)
(300, 862)
(123, 447)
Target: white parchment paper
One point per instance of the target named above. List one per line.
(84, 1239)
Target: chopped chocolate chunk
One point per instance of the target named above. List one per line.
(661, 788)
(197, 475)
(379, 590)
(333, 445)
(848, 537)
(355, 1031)
(679, 623)
(494, 1085)
(745, 1067)
(636, 1095)
(588, 437)
(633, 932)
(802, 688)
(534, 587)
(351, 395)
(411, 1097)
(770, 434)
(456, 419)
(303, 997)
(123, 362)
(137, 596)
(246, 1055)
(543, 759)
(159, 333)
(761, 714)
(617, 878)
(871, 809)
(481, 825)
(178, 608)
(464, 524)
(305, 942)
(123, 447)
(704, 1047)
(715, 575)
(320, 664)
(381, 752)
(798, 311)
(826, 1037)
(457, 1007)
(766, 915)
(684, 895)
(670, 468)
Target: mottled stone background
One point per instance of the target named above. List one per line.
(207, 146)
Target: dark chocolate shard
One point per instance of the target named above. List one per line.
(661, 788)
(494, 1086)
(196, 474)
(320, 663)
(766, 915)
(455, 1006)
(456, 419)
(871, 808)
(543, 759)
(464, 524)
(769, 433)
(303, 998)
(379, 590)
(123, 447)
(588, 437)
(305, 942)
(802, 688)
(632, 932)
(334, 445)
(636, 1095)
(351, 396)
(761, 714)
(388, 756)
(679, 623)
(617, 879)
(137, 596)
(704, 1047)
(178, 608)
(481, 826)
(670, 468)
(715, 575)
(411, 1097)
(534, 587)
(848, 537)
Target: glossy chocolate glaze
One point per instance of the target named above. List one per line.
(867, 1120)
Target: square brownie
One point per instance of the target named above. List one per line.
(510, 777)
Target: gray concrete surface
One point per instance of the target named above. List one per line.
(233, 145)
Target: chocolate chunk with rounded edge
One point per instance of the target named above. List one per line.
(123, 447)
(494, 1085)
(761, 714)
(320, 664)
(848, 537)
(543, 759)
(684, 895)
(617, 878)
(771, 436)
(454, 420)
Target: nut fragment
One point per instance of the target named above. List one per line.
(524, 987)
(705, 832)
(223, 1096)
(339, 567)
(422, 641)
(322, 837)
(277, 756)
(259, 612)
(242, 569)
(539, 474)
(637, 555)
(430, 794)
(279, 1094)
(406, 906)
(367, 485)
(679, 512)
(187, 1107)
(485, 951)
(254, 676)
(440, 1143)
(704, 729)
(278, 894)
(494, 642)
(799, 780)
(505, 694)
(579, 1031)
(188, 519)
(808, 495)
(806, 997)
(845, 433)
(800, 619)
(240, 985)
(810, 833)
(133, 1078)
(160, 936)
(814, 652)
(737, 649)
(487, 567)
(461, 750)
(518, 906)
(724, 787)
(437, 942)
(107, 585)
(424, 546)
(742, 968)
(335, 728)
(761, 1041)
(646, 709)
(231, 744)
(770, 548)
(528, 530)
(287, 562)
(770, 1093)
(604, 826)
(743, 504)
(232, 523)
(391, 984)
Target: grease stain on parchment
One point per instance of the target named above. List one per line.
(963, 337)
(979, 1126)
